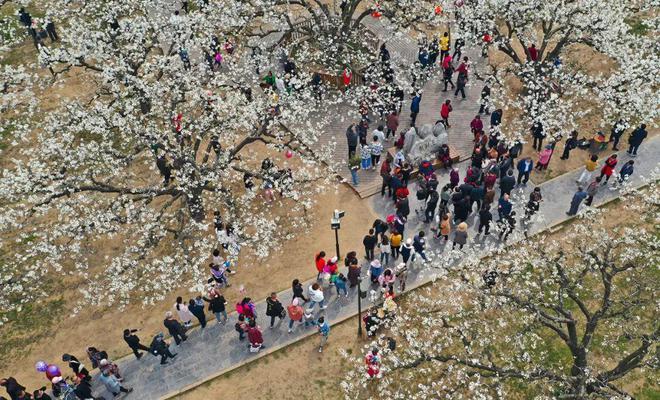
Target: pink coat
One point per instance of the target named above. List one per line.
(544, 156)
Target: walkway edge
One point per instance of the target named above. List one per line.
(427, 281)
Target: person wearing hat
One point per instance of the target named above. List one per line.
(133, 341)
(14, 389)
(160, 347)
(461, 235)
(40, 394)
(112, 383)
(419, 245)
(112, 367)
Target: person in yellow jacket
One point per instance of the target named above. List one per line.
(444, 45)
(395, 243)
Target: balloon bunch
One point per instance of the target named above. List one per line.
(51, 370)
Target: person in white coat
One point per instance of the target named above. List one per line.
(184, 314)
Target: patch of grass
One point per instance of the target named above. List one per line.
(29, 325)
(319, 382)
(638, 27)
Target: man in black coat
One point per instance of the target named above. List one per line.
(160, 347)
(175, 328)
(369, 243)
(485, 217)
(352, 139)
(507, 183)
(617, 131)
(431, 204)
(636, 139)
(133, 341)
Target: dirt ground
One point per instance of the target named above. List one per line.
(297, 372)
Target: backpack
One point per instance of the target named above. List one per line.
(295, 312)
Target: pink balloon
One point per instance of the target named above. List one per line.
(288, 154)
(53, 371)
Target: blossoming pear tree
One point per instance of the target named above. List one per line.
(573, 318)
(119, 187)
(542, 51)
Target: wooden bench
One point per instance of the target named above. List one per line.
(437, 164)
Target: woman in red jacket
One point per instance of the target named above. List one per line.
(319, 260)
(444, 112)
(608, 168)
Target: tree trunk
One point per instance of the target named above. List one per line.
(196, 204)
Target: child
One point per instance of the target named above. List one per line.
(385, 249)
(365, 154)
(324, 331)
(309, 318)
(340, 285)
(375, 269)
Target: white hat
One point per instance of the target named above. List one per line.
(333, 259)
(104, 362)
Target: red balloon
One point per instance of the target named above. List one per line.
(438, 10)
(288, 154)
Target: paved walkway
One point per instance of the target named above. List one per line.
(403, 50)
(215, 350)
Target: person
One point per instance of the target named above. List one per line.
(524, 166)
(504, 206)
(375, 269)
(76, 366)
(298, 291)
(197, 310)
(431, 204)
(476, 125)
(392, 123)
(160, 347)
(592, 189)
(538, 134)
(570, 144)
(458, 47)
(40, 394)
(386, 175)
(626, 170)
(617, 131)
(444, 227)
(241, 327)
(533, 53)
(385, 249)
(365, 156)
(50, 29)
(496, 117)
(175, 328)
(636, 138)
(461, 81)
(485, 99)
(461, 235)
(14, 389)
(340, 285)
(414, 107)
(164, 169)
(544, 158)
(295, 312)
(576, 200)
(346, 76)
(534, 203)
(112, 383)
(608, 168)
(324, 331)
(352, 140)
(444, 112)
(274, 309)
(354, 269)
(507, 226)
(315, 293)
(133, 341)
(485, 217)
(218, 306)
(447, 72)
(419, 244)
(319, 261)
(255, 337)
(589, 167)
(106, 364)
(369, 243)
(376, 149)
(373, 363)
(444, 45)
(507, 183)
(184, 314)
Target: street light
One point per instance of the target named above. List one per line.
(361, 295)
(335, 225)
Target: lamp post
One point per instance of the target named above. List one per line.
(335, 225)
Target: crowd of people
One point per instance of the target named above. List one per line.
(485, 188)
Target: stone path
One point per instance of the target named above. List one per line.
(403, 49)
(216, 349)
